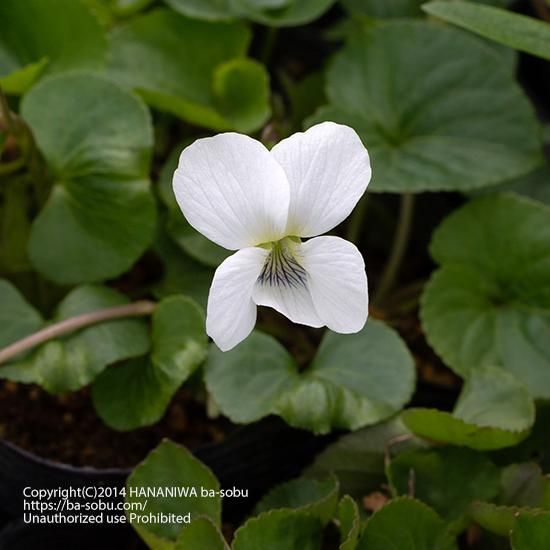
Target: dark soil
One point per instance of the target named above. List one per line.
(67, 429)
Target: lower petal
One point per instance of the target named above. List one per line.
(337, 282)
(293, 302)
(231, 312)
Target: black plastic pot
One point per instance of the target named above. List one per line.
(253, 457)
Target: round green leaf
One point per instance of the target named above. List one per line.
(350, 523)
(437, 109)
(531, 531)
(201, 534)
(17, 318)
(188, 68)
(246, 382)
(181, 273)
(72, 362)
(489, 303)
(493, 518)
(52, 36)
(406, 524)
(277, 13)
(100, 215)
(171, 465)
(137, 392)
(280, 530)
(446, 478)
(494, 411)
(357, 458)
(535, 185)
(318, 498)
(354, 380)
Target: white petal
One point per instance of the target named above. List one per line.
(337, 282)
(231, 189)
(293, 302)
(231, 313)
(328, 169)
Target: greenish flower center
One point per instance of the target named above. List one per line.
(281, 267)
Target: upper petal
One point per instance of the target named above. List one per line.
(337, 282)
(231, 313)
(231, 189)
(328, 170)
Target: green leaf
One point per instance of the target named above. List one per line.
(17, 318)
(277, 13)
(446, 478)
(100, 215)
(406, 524)
(493, 518)
(354, 380)
(531, 531)
(181, 273)
(51, 37)
(397, 8)
(493, 411)
(350, 523)
(247, 382)
(489, 303)
(201, 534)
(280, 530)
(171, 465)
(511, 29)
(523, 485)
(191, 68)
(137, 392)
(357, 459)
(384, 8)
(319, 498)
(72, 362)
(535, 185)
(441, 112)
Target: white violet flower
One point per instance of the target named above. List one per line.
(261, 203)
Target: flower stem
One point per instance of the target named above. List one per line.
(136, 309)
(269, 43)
(399, 247)
(355, 224)
(6, 114)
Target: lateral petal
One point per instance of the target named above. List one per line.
(337, 282)
(231, 312)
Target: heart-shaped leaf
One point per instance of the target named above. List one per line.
(69, 363)
(193, 69)
(493, 411)
(280, 530)
(446, 478)
(440, 112)
(277, 13)
(137, 392)
(100, 215)
(53, 36)
(171, 465)
(406, 524)
(531, 531)
(357, 458)
(489, 303)
(318, 498)
(354, 380)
